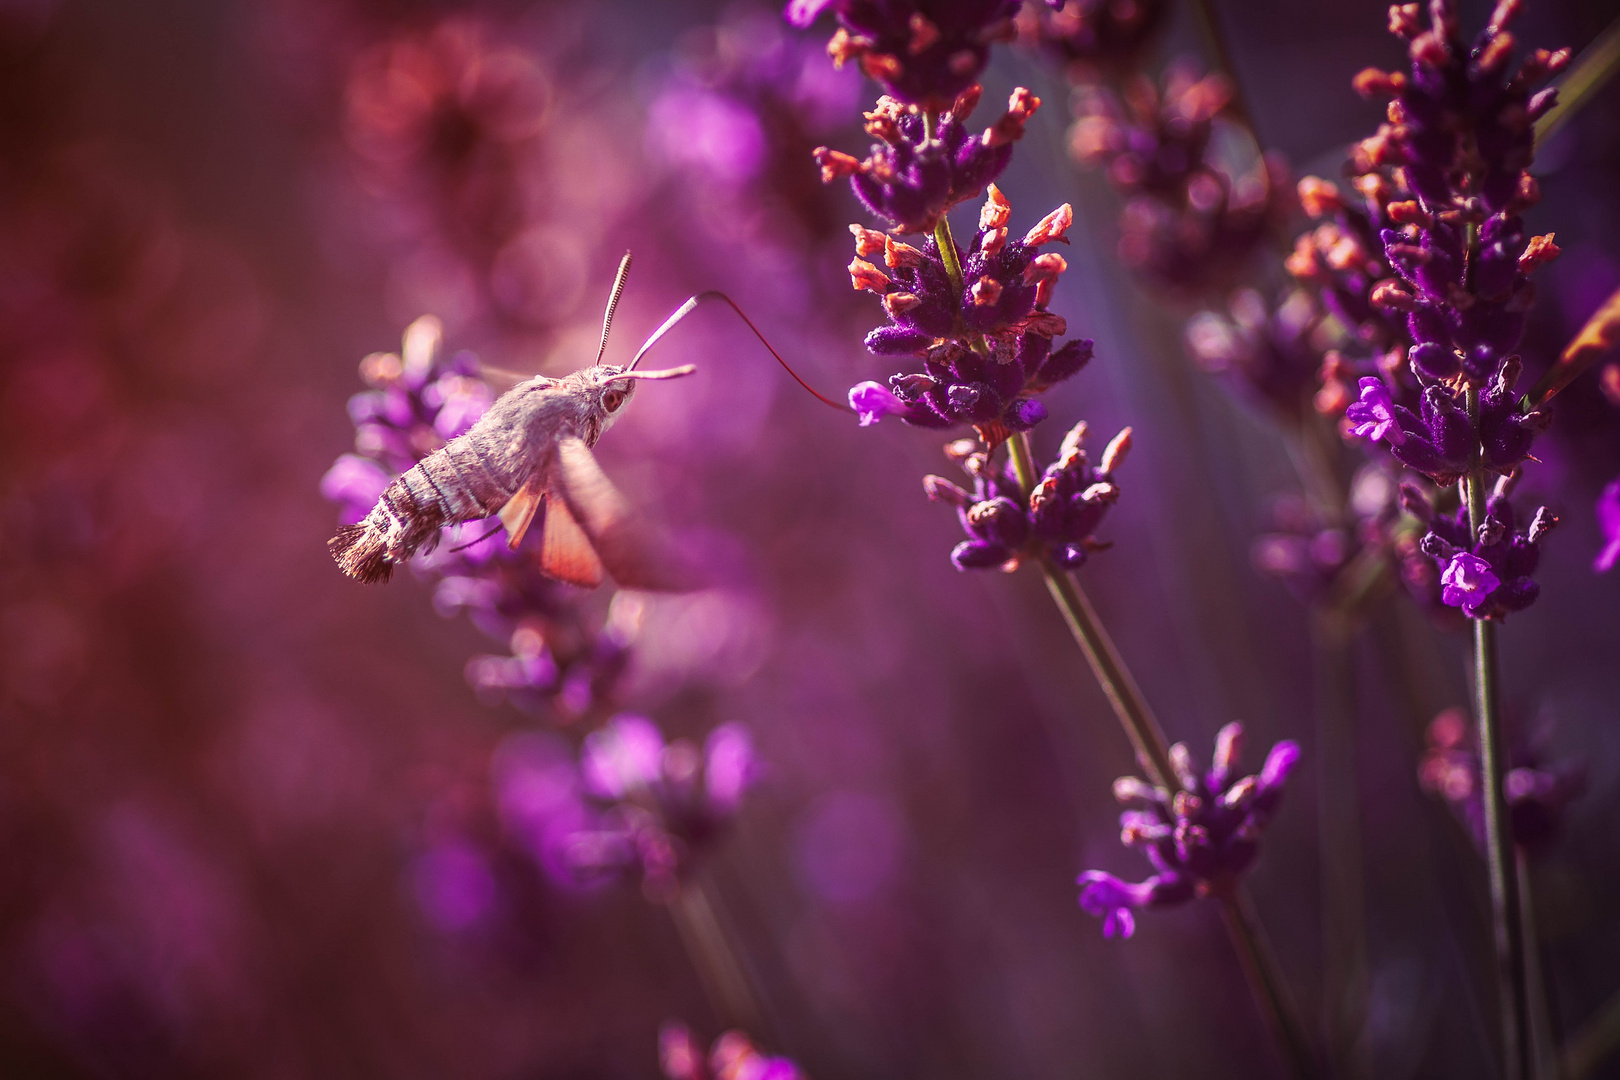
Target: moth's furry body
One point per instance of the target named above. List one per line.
(477, 473)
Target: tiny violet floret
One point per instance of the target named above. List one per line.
(872, 401)
(1373, 417)
(1467, 581)
(1200, 838)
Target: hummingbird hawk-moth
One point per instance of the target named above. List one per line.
(529, 459)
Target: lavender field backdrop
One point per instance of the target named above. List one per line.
(259, 820)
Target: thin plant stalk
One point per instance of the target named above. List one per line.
(725, 981)
(1499, 855)
(1153, 753)
(1594, 1043)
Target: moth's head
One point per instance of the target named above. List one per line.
(610, 387)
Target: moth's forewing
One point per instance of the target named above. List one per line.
(635, 555)
(565, 551)
(520, 509)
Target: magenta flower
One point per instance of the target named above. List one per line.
(733, 1057)
(1200, 839)
(1467, 581)
(1608, 518)
(872, 401)
(1373, 417)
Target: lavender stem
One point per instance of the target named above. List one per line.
(1507, 919)
(718, 968)
(1593, 1043)
(1153, 754)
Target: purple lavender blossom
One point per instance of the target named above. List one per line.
(1461, 134)
(1373, 417)
(1537, 794)
(1058, 519)
(1268, 354)
(986, 348)
(909, 178)
(924, 52)
(1488, 576)
(733, 1057)
(1303, 551)
(1608, 519)
(1200, 839)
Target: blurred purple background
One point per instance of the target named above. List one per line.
(249, 818)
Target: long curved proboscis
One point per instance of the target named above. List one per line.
(686, 309)
(613, 304)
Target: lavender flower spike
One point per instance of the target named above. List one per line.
(1200, 839)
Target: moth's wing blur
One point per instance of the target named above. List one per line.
(565, 551)
(519, 511)
(636, 555)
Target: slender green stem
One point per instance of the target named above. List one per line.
(1214, 35)
(1593, 1044)
(1507, 919)
(1260, 964)
(1594, 67)
(1153, 754)
(719, 969)
(947, 251)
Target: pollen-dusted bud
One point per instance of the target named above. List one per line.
(381, 369)
(923, 33)
(844, 47)
(966, 102)
(993, 241)
(1496, 53)
(1010, 128)
(1404, 20)
(959, 450)
(964, 62)
(883, 122)
(883, 67)
(1073, 440)
(1136, 792)
(897, 254)
(1371, 83)
(986, 291)
(1389, 294)
(1047, 323)
(1052, 227)
(1540, 251)
(1318, 197)
(863, 275)
(939, 489)
(1044, 267)
(867, 241)
(1114, 453)
(1409, 212)
(996, 210)
(1541, 524)
(834, 164)
(898, 303)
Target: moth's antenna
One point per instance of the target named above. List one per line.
(613, 302)
(686, 309)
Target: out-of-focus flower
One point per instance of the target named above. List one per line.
(1536, 794)
(1188, 222)
(1487, 576)
(1058, 519)
(733, 1057)
(1269, 355)
(1092, 36)
(924, 52)
(1302, 551)
(913, 176)
(1608, 519)
(1199, 839)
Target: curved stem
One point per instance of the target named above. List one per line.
(719, 969)
(1595, 66)
(1153, 754)
(1507, 919)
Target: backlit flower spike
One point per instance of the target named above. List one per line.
(1199, 839)
(910, 179)
(1066, 507)
(1487, 576)
(923, 52)
(1092, 37)
(987, 349)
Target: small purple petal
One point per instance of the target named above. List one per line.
(625, 755)
(872, 401)
(1467, 581)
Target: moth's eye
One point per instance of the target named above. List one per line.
(613, 399)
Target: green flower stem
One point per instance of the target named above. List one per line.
(701, 924)
(1499, 855)
(1153, 754)
(947, 251)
